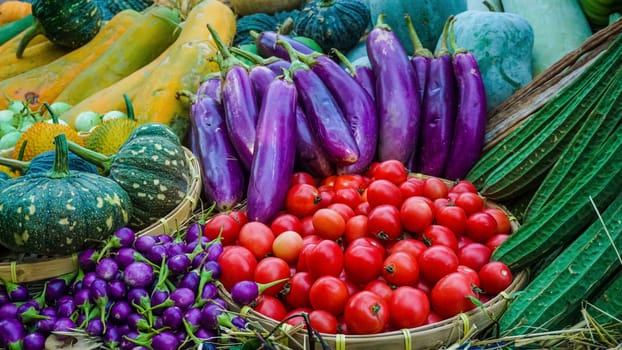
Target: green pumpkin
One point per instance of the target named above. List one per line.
(60, 212)
(66, 23)
(151, 166)
(338, 24)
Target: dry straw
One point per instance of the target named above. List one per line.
(23, 268)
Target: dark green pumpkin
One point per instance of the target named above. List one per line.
(152, 168)
(110, 8)
(66, 23)
(338, 24)
(60, 212)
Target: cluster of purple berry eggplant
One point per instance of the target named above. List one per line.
(289, 108)
(136, 292)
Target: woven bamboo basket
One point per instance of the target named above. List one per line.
(25, 268)
(511, 113)
(433, 336)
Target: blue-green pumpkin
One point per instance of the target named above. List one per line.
(61, 211)
(428, 17)
(338, 24)
(151, 166)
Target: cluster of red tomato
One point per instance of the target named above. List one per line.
(364, 254)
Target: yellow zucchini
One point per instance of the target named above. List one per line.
(149, 36)
(44, 83)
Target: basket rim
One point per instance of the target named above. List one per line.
(31, 271)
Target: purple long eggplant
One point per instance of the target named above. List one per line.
(397, 98)
(356, 105)
(323, 113)
(471, 117)
(211, 86)
(267, 46)
(439, 111)
(362, 74)
(420, 58)
(239, 102)
(309, 153)
(275, 151)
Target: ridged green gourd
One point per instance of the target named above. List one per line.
(62, 211)
(338, 24)
(151, 166)
(66, 23)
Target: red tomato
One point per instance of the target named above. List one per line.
(325, 259)
(433, 317)
(463, 186)
(411, 188)
(436, 262)
(362, 209)
(239, 216)
(470, 202)
(294, 316)
(495, 241)
(495, 277)
(412, 246)
(329, 293)
(416, 214)
(362, 263)
(504, 227)
(343, 209)
(408, 307)
(348, 196)
(380, 287)
(271, 269)
(315, 239)
(356, 227)
(302, 200)
(301, 264)
(366, 313)
(223, 225)
(237, 264)
(452, 217)
(285, 222)
(306, 226)
(480, 227)
(302, 177)
(270, 307)
(323, 321)
(451, 295)
(256, 237)
(296, 292)
(383, 192)
(368, 242)
(439, 235)
(392, 170)
(384, 222)
(441, 203)
(400, 269)
(288, 246)
(472, 274)
(434, 187)
(328, 223)
(327, 196)
(352, 181)
(474, 255)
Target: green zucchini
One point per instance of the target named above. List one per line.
(577, 155)
(519, 172)
(561, 221)
(571, 95)
(10, 30)
(556, 292)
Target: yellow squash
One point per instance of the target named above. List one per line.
(45, 83)
(149, 36)
(34, 56)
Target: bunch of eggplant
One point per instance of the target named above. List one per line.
(253, 125)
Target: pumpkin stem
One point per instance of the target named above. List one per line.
(452, 39)
(30, 33)
(326, 3)
(419, 50)
(490, 6)
(129, 107)
(443, 50)
(101, 160)
(15, 164)
(60, 169)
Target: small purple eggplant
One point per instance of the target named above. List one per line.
(245, 292)
(267, 46)
(138, 274)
